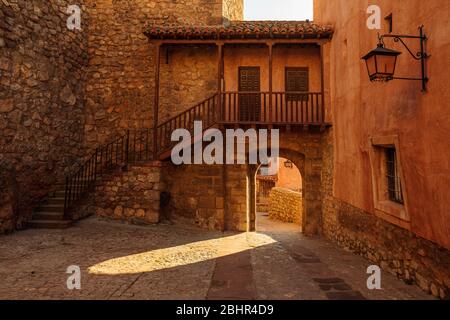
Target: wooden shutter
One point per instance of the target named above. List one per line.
(296, 80)
(249, 103)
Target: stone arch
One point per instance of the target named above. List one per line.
(304, 150)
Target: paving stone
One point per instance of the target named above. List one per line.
(179, 261)
(233, 278)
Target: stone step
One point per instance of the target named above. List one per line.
(51, 208)
(55, 200)
(49, 224)
(62, 192)
(50, 216)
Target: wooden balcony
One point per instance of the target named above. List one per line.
(247, 109)
(276, 108)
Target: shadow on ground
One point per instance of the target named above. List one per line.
(179, 261)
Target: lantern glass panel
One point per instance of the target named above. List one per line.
(371, 66)
(386, 64)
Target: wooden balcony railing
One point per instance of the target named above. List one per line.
(275, 108)
(259, 108)
(206, 111)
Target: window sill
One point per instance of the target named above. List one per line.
(393, 212)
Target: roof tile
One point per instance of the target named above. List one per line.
(241, 30)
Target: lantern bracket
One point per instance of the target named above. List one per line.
(419, 56)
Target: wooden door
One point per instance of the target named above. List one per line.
(249, 103)
(296, 80)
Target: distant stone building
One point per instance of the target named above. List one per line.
(287, 177)
(86, 118)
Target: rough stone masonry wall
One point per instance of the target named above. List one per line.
(237, 178)
(132, 195)
(188, 76)
(396, 250)
(233, 9)
(285, 205)
(120, 88)
(197, 194)
(212, 196)
(41, 102)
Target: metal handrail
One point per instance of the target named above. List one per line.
(132, 147)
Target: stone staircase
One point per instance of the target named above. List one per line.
(50, 213)
(133, 147)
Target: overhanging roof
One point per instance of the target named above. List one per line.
(241, 30)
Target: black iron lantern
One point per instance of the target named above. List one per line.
(288, 164)
(381, 63)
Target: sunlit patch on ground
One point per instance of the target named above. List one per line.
(180, 255)
(180, 262)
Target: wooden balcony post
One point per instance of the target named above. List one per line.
(270, 45)
(322, 83)
(221, 112)
(156, 100)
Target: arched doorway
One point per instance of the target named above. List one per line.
(305, 152)
(278, 189)
(292, 158)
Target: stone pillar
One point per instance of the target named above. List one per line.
(312, 217)
(236, 195)
(251, 197)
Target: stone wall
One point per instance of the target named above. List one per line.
(120, 87)
(188, 76)
(285, 205)
(41, 102)
(132, 195)
(9, 217)
(63, 92)
(212, 196)
(197, 193)
(396, 250)
(233, 9)
(263, 187)
(237, 205)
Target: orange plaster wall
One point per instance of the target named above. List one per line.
(289, 178)
(361, 109)
(253, 56)
(284, 56)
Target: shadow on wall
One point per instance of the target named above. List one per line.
(9, 200)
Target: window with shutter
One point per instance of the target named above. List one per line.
(296, 80)
(249, 103)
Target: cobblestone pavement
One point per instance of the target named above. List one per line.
(179, 261)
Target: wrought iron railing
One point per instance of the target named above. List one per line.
(131, 147)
